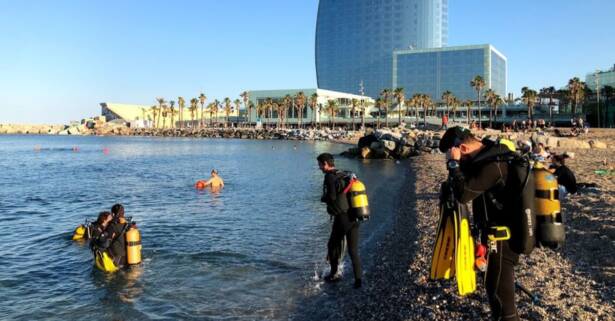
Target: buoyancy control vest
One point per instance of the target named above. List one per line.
(514, 201)
(355, 192)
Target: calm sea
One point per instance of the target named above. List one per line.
(254, 251)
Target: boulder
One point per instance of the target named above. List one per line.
(376, 145)
(570, 143)
(405, 152)
(389, 145)
(366, 152)
(74, 131)
(597, 144)
(367, 141)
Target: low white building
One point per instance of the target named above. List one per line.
(310, 114)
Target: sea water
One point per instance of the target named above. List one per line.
(253, 251)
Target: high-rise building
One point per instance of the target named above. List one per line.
(434, 71)
(355, 39)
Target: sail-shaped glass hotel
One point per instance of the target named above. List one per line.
(355, 39)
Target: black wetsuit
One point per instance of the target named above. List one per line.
(565, 177)
(484, 181)
(118, 244)
(343, 225)
(101, 239)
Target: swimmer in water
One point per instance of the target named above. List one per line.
(215, 181)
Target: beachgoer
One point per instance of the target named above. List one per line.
(478, 176)
(215, 181)
(343, 224)
(116, 231)
(565, 177)
(539, 153)
(445, 121)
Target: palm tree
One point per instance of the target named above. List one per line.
(181, 103)
(498, 102)
(154, 111)
(468, 104)
(217, 108)
(172, 111)
(363, 108)
(314, 106)
(246, 98)
(261, 111)
(415, 102)
(227, 110)
(202, 99)
(385, 94)
(193, 108)
(478, 83)
(300, 105)
(269, 107)
(379, 106)
(490, 97)
(455, 103)
(237, 103)
(398, 93)
(529, 98)
(577, 91)
(353, 109)
(280, 109)
(408, 103)
(426, 102)
(332, 107)
(165, 112)
(448, 98)
(160, 101)
(250, 108)
(286, 105)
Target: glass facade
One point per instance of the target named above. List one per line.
(605, 78)
(434, 71)
(355, 39)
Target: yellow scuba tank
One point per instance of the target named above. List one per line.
(551, 232)
(80, 233)
(104, 262)
(358, 200)
(133, 245)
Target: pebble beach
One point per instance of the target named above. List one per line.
(575, 282)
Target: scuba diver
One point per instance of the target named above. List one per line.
(99, 235)
(344, 226)
(478, 174)
(116, 230)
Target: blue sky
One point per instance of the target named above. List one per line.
(60, 59)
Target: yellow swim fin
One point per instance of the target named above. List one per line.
(464, 253)
(103, 262)
(442, 260)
